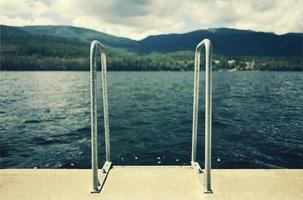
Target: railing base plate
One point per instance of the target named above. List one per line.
(102, 177)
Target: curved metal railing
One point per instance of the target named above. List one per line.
(208, 111)
(97, 184)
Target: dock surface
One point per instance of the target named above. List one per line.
(151, 183)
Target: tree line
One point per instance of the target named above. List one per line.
(48, 53)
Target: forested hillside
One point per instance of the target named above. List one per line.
(67, 48)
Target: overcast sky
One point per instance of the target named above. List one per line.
(139, 18)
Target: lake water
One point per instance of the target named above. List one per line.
(257, 119)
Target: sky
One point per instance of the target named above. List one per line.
(137, 19)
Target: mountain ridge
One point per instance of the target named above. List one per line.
(67, 48)
(227, 41)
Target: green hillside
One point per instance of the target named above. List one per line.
(67, 48)
(81, 34)
(230, 42)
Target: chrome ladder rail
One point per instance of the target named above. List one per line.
(208, 113)
(97, 183)
(206, 179)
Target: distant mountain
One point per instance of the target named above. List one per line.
(19, 41)
(80, 34)
(67, 48)
(228, 42)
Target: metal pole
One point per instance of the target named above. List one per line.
(208, 115)
(208, 109)
(105, 107)
(195, 106)
(94, 132)
(93, 90)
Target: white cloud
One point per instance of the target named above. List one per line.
(17, 8)
(12, 7)
(279, 17)
(18, 21)
(139, 18)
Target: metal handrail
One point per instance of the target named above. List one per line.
(208, 111)
(96, 183)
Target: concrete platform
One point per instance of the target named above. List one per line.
(144, 183)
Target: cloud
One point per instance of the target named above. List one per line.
(140, 18)
(21, 8)
(18, 21)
